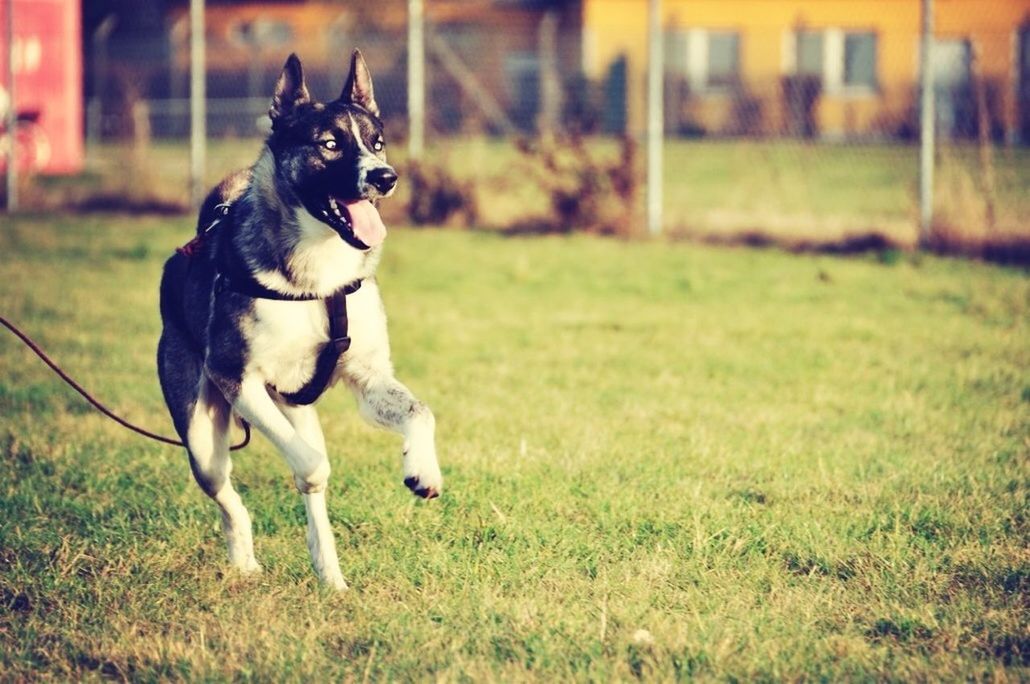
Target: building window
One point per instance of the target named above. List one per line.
(809, 53)
(709, 61)
(860, 60)
(844, 61)
(723, 60)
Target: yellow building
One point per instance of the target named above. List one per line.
(728, 62)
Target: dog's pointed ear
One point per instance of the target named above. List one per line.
(358, 88)
(290, 91)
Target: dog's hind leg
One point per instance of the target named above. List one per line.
(387, 403)
(207, 438)
(201, 416)
(321, 542)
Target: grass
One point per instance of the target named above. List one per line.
(663, 461)
(712, 187)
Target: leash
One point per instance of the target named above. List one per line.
(28, 341)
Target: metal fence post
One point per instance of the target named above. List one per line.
(655, 112)
(927, 122)
(416, 80)
(95, 108)
(198, 103)
(12, 116)
(550, 80)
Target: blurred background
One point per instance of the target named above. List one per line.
(794, 121)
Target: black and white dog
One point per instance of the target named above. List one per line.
(252, 309)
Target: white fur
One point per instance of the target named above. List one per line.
(321, 262)
(208, 442)
(367, 161)
(321, 542)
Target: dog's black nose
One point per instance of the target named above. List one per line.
(382, 179)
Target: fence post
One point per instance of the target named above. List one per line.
(198, 103)
(12, 115)
(927, 122)
(416, 80)
(550, 80)
(95, 108)
(655, 112)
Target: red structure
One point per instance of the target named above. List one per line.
(48, 84)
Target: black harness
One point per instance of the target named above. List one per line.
(232, 275)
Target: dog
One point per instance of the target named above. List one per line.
(251, 309)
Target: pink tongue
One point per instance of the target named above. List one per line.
(368, 226)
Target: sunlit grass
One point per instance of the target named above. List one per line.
(780, 467)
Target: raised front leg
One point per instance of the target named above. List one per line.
(385, 402)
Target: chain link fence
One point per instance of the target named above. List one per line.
(792, 118)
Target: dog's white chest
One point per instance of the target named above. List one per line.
(285, 341)
(286, 336)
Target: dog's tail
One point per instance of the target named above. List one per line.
(223, 194)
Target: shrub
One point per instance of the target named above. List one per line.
(438, 197)
(585, 193)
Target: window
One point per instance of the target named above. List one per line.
(845, 61)
(809, 53)
(860, 60)
(708, 60)
(723, 60)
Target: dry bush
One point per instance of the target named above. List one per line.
(438, 197)
(585, 193)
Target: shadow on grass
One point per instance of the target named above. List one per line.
(1012, 251)
(122, 204)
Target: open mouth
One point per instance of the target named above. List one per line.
(356, 221)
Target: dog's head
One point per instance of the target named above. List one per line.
(332, 155)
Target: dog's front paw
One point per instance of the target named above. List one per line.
(422, 473)
(426, 491)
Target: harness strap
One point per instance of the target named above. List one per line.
(248, 285)
(330, 353)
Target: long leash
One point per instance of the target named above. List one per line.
(28, 341)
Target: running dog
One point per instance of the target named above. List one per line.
(276, 299)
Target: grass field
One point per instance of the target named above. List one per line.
(663, 461)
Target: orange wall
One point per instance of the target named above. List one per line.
(615, 27)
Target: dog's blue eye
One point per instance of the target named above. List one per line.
(329, 144)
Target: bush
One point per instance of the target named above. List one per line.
(438, 197)
(585, 193)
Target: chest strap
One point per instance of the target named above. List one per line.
(330, 353)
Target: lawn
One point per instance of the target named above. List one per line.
(663, 461)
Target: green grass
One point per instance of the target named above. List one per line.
(780, 467)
